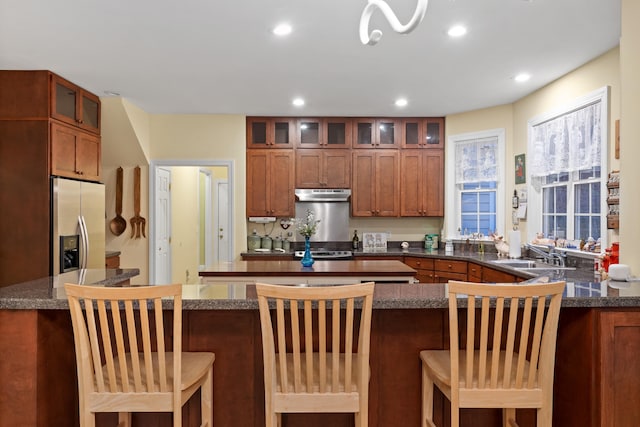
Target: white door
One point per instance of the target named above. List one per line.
(222, 247)
(163, 227)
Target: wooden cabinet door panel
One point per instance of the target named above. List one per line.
(433, 133)
(257, 182)
(363, 195)
(63, 151)
(281, 183)
(337, 168)
(387, 185)
(309, 171)
(433, 179)
(411, 185)
(88, 156)
(619, 368)
(453, 266)
(490, 275)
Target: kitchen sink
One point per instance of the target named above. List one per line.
(529, 264)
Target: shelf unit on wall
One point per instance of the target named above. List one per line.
(613, 200)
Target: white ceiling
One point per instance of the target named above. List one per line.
(214, 56)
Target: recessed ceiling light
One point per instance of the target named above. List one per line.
(401, 102)
(457, 31)
(298, 102)
(282, 29)
(522, 77)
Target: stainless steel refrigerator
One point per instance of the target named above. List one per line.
(78, 225)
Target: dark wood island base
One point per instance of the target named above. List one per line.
(39, 385)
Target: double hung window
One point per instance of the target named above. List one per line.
(567, 154)
(476, 191)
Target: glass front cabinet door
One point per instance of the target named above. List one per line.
(423, 133)
(73, 105)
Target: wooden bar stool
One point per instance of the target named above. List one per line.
(121, 368)
(498, 368)
(316, 357)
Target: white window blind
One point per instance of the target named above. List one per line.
(567, 143)
(476, 160)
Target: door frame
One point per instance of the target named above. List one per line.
(154, 164)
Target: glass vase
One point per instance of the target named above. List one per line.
(307, 259)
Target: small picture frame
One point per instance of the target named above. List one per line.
(374, 242)
(521, 169)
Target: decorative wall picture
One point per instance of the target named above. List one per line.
(521, 171)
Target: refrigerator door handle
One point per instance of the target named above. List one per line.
(85, 242)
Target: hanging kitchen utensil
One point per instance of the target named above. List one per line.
(118, 224)
(137, 222)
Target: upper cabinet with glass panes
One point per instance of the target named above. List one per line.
(269, 132)
(377, 133)
(325, 132)
(74, 105)
(423, 133)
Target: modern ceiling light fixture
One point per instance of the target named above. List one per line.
(375, 35)
(298, 102)
(522, 77)
(401, 102)
(283, 29)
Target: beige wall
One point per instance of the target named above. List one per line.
(630, 135)
(125, 130)
(185, 220)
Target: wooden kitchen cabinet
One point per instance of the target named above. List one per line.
(270, 183)
(424, 267)
(423, 133)
(40, 138)
(375, 183)
(421, 183)
(270, 132)
(490, 275)
(445, 270)
(474, 272)
(326, 132)
(74, 105)
(323, 168)
(619, 368)
(75, 153)
(376, 133)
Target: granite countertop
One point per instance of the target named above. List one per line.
(48, 292)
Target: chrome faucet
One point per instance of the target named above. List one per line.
(553, 256)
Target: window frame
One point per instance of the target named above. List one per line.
(453, 191)
(535, 186)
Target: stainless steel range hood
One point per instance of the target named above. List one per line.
(331, 207)
(322, 195)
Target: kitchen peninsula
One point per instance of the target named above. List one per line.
(322, 272)
(597, 369)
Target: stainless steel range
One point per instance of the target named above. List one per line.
(325, 254)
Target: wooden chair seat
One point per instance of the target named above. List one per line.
(438, 367)
(194, 366)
